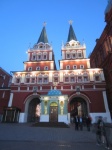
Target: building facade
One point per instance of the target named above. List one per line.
(46, 94)
(5, 82)
(102, 53)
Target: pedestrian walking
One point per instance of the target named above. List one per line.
(88, 122)
(76, 121)
(81, 122)
(101, 133)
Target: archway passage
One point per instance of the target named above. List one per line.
(78, 106)
(32, 110)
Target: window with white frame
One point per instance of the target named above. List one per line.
(55, 77)
(27, 80)
(40, 80)
(67, 67)
(33, 56)
(46, 68)
(33, 80)
(38, 68)
(79, 78)
(45, 79)
(44, 56)
(17, 80)
(39, 56)
(74, 67)
(74, 55)
(85, 77)
(66, 78)
(29, 68)
(72, 79)
(97, 77)
(79, 54)
(68, 56)
(81, 66)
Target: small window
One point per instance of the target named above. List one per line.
(79, 78)
(79, 55)
(86, 78)
(30, 69)
(46, 68)
(27, 80)
(81, 66)
(33, 80)
(67, 67)
(37, 68)
(66, 79)
(74, 67)
(72, 79)
(55, 79)
(39, 80)
(39, 57)
(45, 56)
(97, 78)
(68, 56)
(18, 80)
(45, 80)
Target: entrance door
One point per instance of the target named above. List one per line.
(53, 116)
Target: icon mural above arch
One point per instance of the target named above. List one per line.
(34, 110)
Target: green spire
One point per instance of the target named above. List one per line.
(71, 35)
(43, 36)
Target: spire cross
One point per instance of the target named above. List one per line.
(44, 24)
(70, 21)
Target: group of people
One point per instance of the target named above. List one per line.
(81, 121)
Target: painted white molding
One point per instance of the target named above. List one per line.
(10, 100)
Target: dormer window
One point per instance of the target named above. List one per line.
(30, 69)
(46, 68)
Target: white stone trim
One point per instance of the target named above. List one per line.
(10, 100)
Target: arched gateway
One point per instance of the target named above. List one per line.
(32, 108)
(79, 105)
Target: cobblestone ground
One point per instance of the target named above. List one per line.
(25, 137)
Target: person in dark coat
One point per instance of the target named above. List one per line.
(88, 122)
(76, 121)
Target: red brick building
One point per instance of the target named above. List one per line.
(5, 82)
(41, 91)
(102, 53)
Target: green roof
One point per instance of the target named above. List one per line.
(43, 36)
(71, 34)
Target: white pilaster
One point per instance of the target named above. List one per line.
(10, 100)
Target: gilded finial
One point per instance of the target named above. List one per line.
(44, 24)
(70, 21)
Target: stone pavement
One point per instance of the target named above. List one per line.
(25, 137)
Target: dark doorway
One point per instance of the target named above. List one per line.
(78, 106)
(53, 116)
(32, 110)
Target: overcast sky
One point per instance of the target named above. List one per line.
(21, 22)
